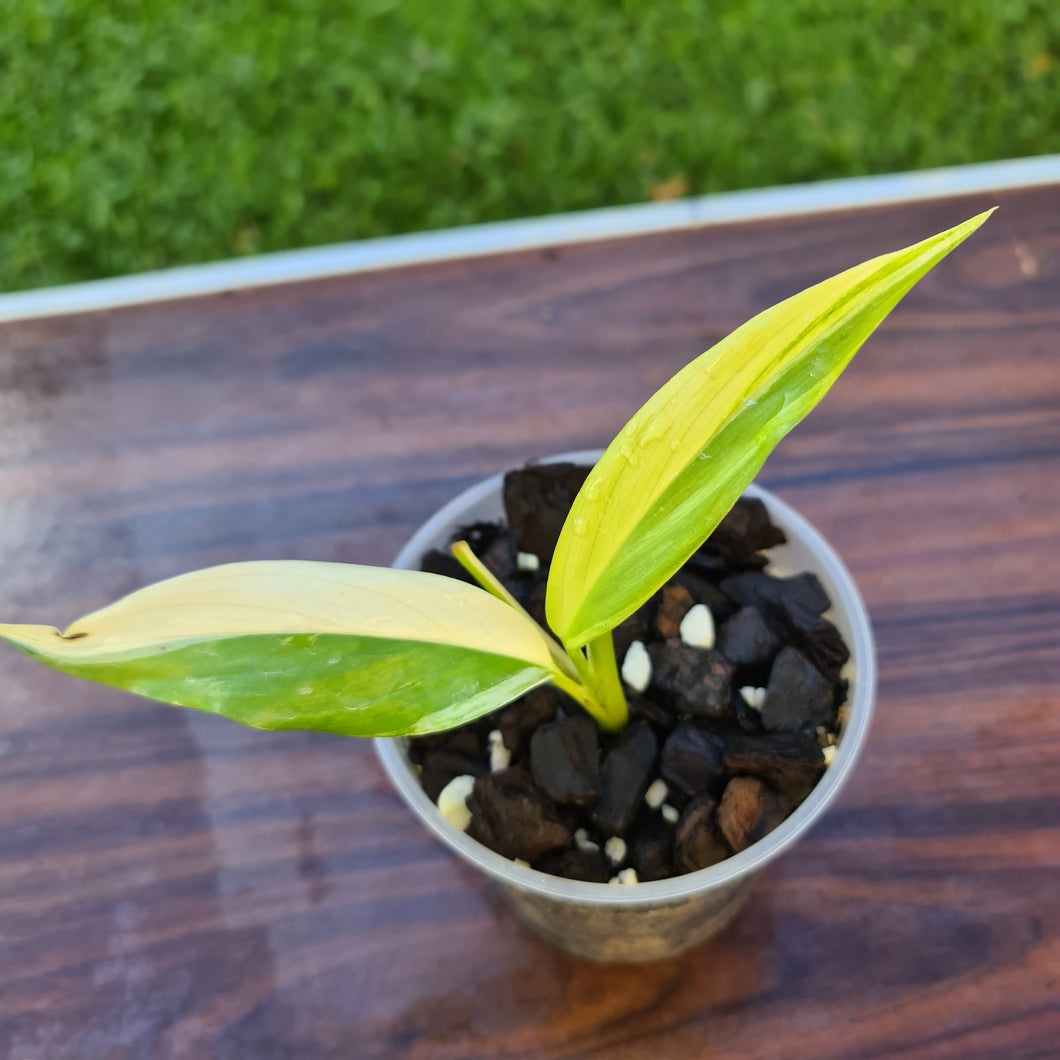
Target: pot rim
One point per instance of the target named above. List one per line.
(656, 892)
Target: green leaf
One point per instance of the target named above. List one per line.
(360, 651)
(684, 459)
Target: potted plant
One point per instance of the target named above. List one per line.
(363, 651)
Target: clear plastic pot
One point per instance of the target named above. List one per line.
(652, 920)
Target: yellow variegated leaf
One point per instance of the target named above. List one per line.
(362, 651)
(682, 461)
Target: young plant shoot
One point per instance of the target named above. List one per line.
(366, 651)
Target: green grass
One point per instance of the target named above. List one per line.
(135, 135)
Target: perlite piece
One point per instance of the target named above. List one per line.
(500, 756)
(636, 667)
(697, 627)
(452, 801)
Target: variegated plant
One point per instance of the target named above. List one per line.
(370, 651)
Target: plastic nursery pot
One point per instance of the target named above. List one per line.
(652, 920)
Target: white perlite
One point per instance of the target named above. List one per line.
(655, 796)
(753, 697)
(583, 842)
(588, 844)
(452, 802)
(829, 754)
(697, 627)
(527, 561)
(670, 813)
(500, 756)
(627, 877)
(636, 667)
(520, 861)
(615, 850)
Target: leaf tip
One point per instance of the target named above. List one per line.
(27, 638)
(975, 222)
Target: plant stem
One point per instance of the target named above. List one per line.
(581, 695)
(590, 680)
(598, 671)
(486, 578)
(604, 666)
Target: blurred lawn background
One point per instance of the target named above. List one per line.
(135, 135)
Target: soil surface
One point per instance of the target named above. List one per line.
(724, 742)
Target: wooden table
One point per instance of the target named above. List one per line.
(172, 885)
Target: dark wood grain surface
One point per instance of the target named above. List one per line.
(172, 885)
